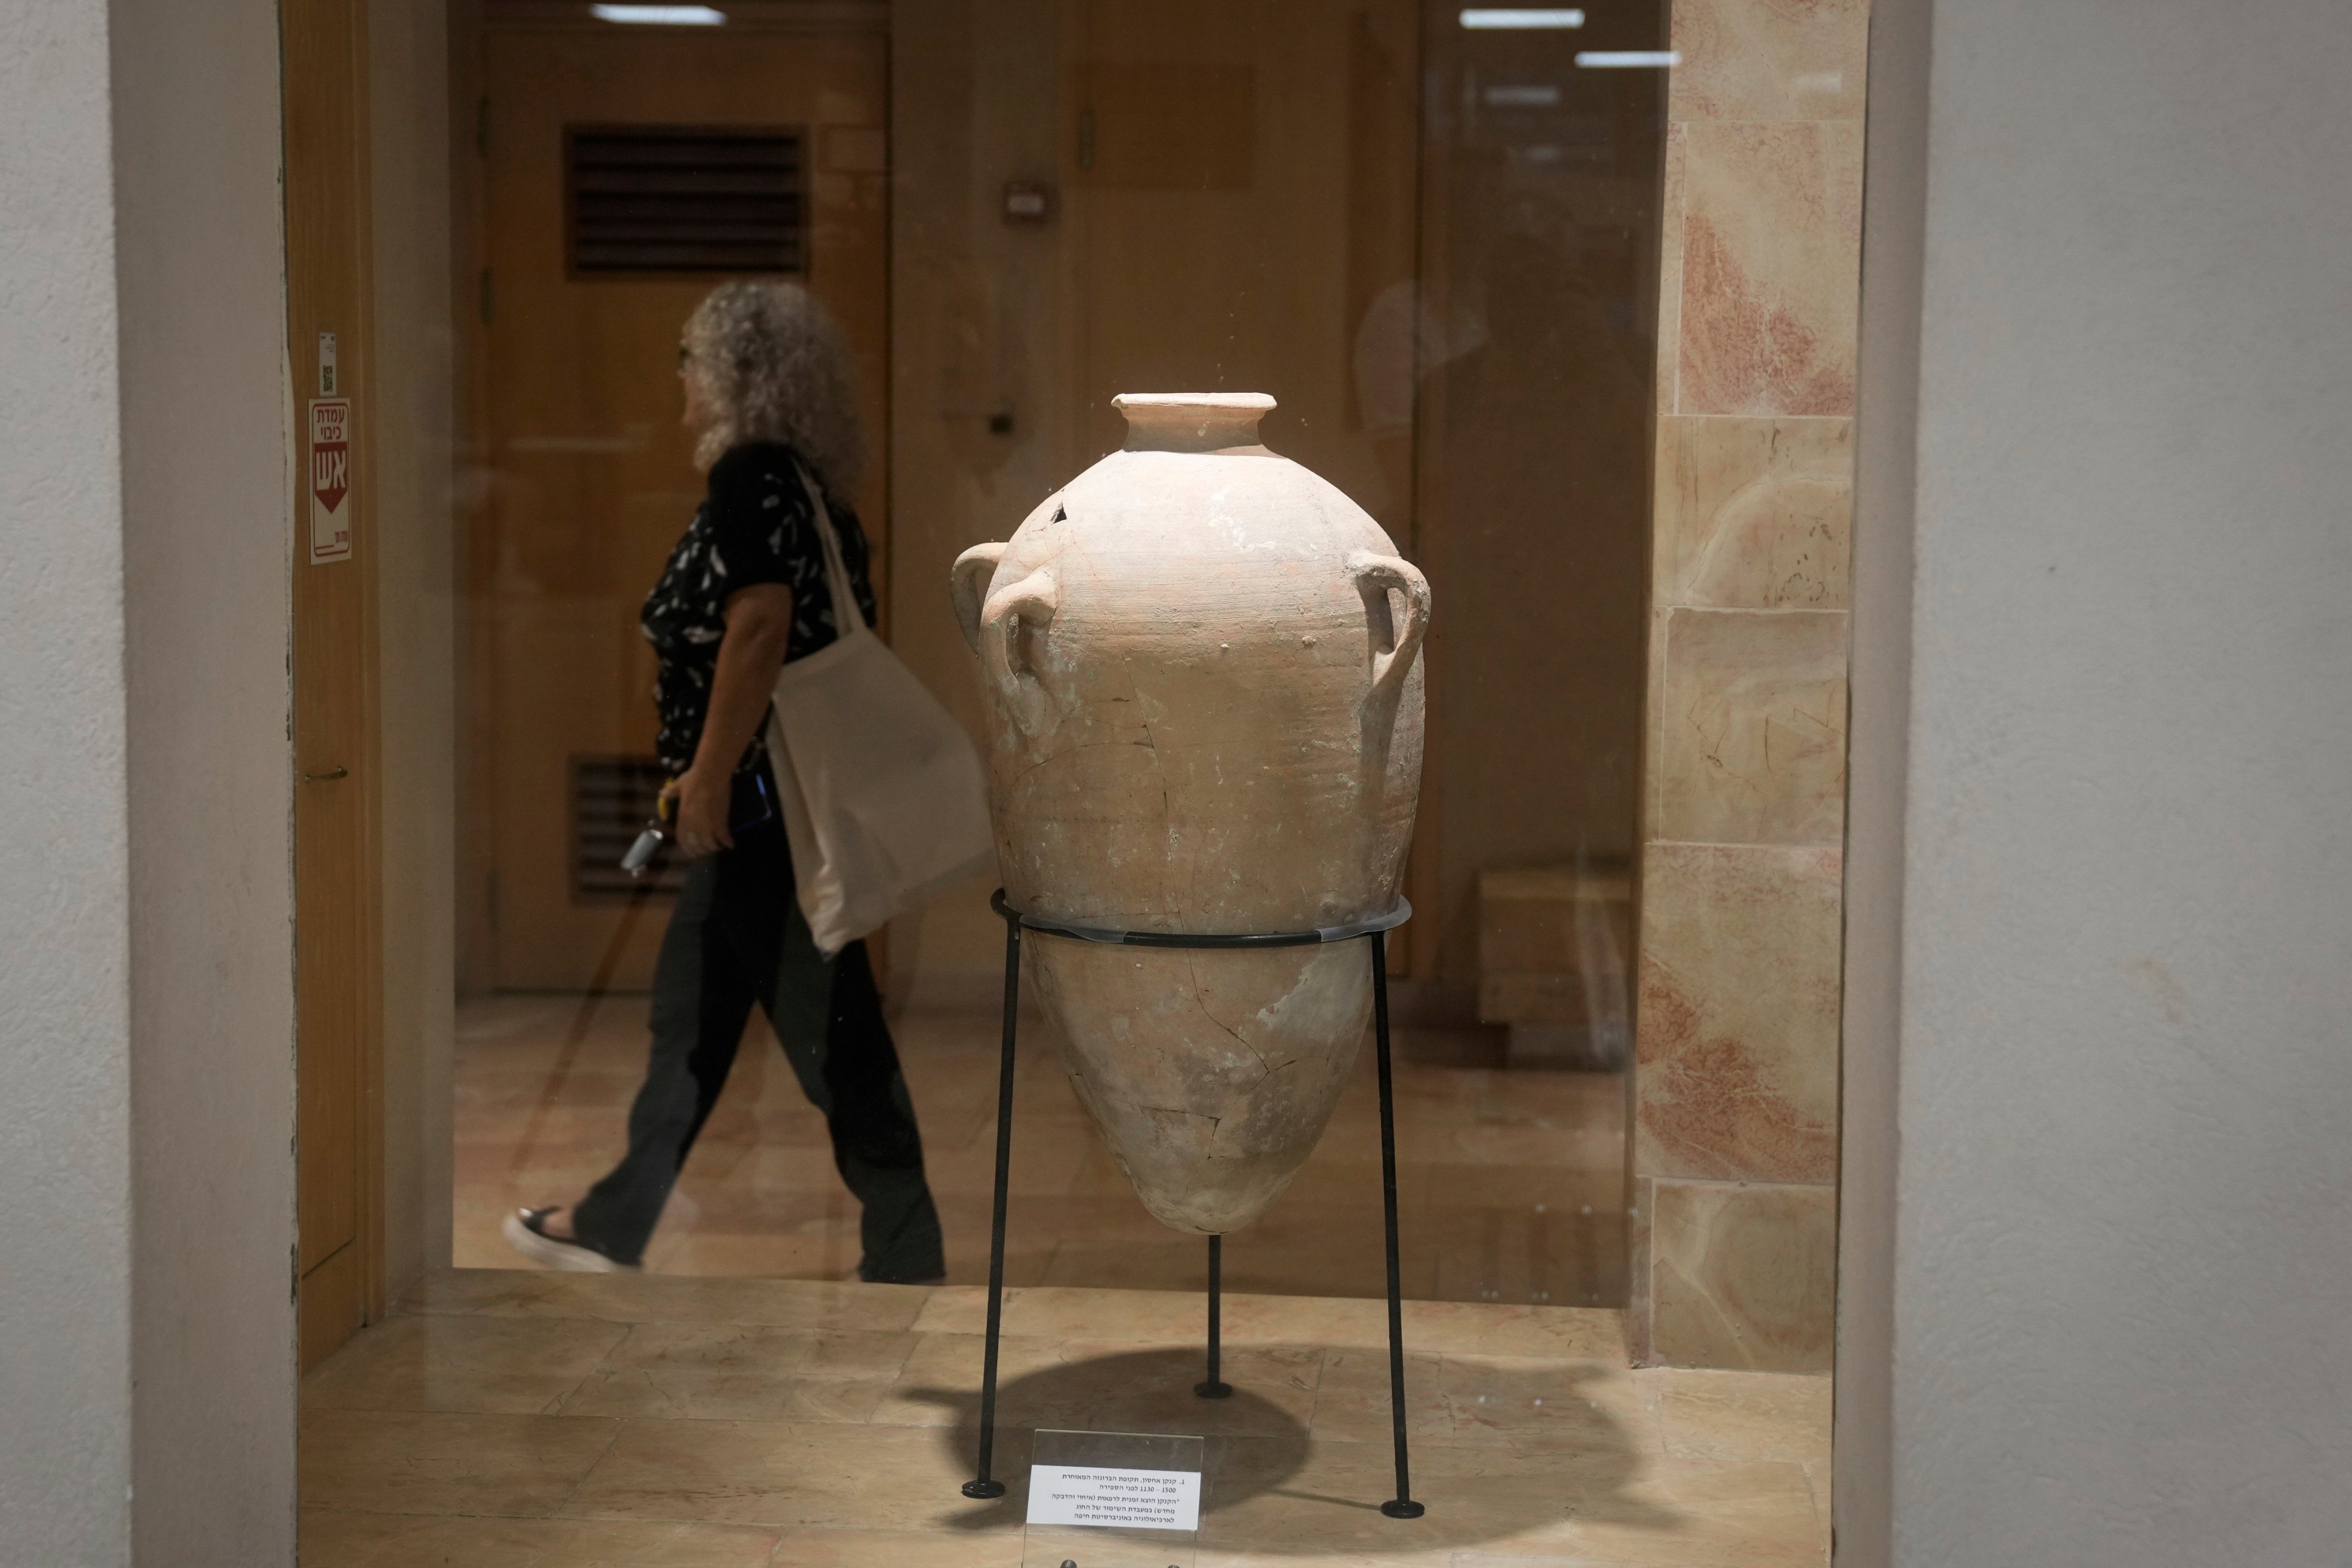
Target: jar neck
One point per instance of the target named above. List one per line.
(1192, 422)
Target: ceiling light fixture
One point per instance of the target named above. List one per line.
(1518, 17)
(660, 16)
(1627, 59)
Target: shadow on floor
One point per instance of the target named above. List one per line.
(1299, 1468)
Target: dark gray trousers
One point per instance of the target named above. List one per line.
(737, 937)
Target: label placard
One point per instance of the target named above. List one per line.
(330, 479)
(1118, 1498)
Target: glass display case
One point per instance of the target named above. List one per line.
(1149, 730)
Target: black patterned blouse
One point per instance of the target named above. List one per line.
(755, 526)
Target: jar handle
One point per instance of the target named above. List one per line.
(968, 587)
(1394, 646)
(1030, 602)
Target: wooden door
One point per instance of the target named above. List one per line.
(335, 876)
(589, 479)
(1243, 212)
(1242, 204)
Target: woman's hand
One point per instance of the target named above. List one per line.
(701, 798)
(759, 630)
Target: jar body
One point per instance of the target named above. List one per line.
(1204, 711)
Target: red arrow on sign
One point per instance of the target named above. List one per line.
(330, 472)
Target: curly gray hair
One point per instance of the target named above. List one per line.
(772, 366)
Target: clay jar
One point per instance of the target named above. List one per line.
(1205, 716)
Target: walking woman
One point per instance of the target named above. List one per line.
(768, 391)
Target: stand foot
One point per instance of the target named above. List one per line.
(1403, 1508)
(1213, 1390)
(986, 1489)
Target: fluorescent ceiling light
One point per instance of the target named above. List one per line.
(1516, 17)
(1621, 60)
(1522, 95)
(661, 15)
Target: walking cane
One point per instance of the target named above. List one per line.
(637, 863)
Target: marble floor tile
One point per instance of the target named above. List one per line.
(806, 1305)
(796, 1475)
(332, 1540)
(418, 1462)
(1474, 1401)
(1742, 1414)
(1108, 1387)
(742, 1372)
(1720, 1515)
(898, 1549)
(1544, 1460)
(489, 1365)
(1459, 1328)
(709, 1397)
(1509, 1181)
(1613, 1506)
(1324, 1498)
(1178, 1317)
(829, 1253)
(837, 1420)
(1324, 1321)
(1059, 1313)
(1351, 1404)
(744, 1347)
(939, 1382)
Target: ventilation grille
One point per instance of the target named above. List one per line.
(612, 801)
(661, 200)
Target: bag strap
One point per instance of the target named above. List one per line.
(847, 616)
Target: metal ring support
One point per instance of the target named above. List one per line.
(1320, 934)
(985, 1484)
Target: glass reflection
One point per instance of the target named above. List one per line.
(1429, 232)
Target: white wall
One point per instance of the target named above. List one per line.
(2120, 1302)
(199, 270)
(146, 1004)
(65, 1003)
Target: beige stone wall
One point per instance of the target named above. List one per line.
(1734, 1149)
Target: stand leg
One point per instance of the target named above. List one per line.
(984, 1485)
(1215, 1388)
(1402, 1505)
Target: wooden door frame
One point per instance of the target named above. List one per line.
(356, 364)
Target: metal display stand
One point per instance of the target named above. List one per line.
(985, 1485)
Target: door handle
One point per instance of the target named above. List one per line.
(327, 777)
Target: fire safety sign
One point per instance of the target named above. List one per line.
(330, 479)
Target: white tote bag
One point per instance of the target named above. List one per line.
(883, 797)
